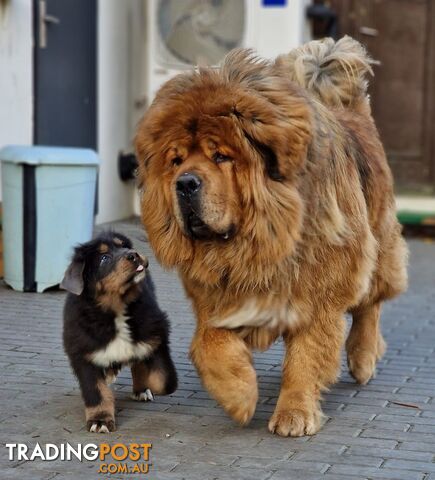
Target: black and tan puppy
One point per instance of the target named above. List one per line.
(111, 319)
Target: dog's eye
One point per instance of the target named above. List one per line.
(104, 259)
(177, 161)
(220, 157)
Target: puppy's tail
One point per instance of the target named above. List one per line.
(334, 71)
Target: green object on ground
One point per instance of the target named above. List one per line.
(409, 217)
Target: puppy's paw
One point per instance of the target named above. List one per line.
(296, 422)
(146, 396)
(100, 426)
(362, 364)
(110, 378)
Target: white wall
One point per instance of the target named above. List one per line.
(276, 30)
(16, 122)
(120, 26)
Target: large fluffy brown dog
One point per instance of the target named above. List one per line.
(265, 184)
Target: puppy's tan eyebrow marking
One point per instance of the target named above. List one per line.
(103, 248)
(117, 241)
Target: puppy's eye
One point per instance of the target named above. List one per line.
(104, 259)
(220, 157)
(177, 161)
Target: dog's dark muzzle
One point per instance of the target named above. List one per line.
(189, 188)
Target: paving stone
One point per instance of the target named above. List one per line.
(417, 446)
(425, 467)
(385, 453)
(368, 461)
(206, 471)
(385, 473)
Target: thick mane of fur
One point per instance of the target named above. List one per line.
(261, 109)
(334, 71)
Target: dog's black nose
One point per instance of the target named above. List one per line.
(188, 184)
(132, 257)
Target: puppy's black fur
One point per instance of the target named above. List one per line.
(111, 318)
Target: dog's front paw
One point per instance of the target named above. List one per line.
(235, 389)
(100, 426)
(145, 396)
(241, 407)
(224, 364)
(236, 392)
(296, 422)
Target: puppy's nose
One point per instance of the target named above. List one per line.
(132, 257)
(188, 184)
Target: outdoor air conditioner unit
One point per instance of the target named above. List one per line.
(185, 33)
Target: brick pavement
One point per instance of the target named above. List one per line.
(370, 433)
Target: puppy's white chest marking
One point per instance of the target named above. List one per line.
(121, 349)
(252, 314)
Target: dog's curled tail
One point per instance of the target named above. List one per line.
(334, 71)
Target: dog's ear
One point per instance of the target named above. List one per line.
(281, 148)
(73, 279)
(280, 139)
(269, 157)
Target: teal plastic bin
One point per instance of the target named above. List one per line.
(48, 207)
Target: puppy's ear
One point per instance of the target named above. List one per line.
(73, 280)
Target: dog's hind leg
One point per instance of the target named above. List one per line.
(156, 375)
(224, 363)
(365, 344)
(98, 398)
(139, 374)
(110, 375)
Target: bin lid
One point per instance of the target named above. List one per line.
(41, 155)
